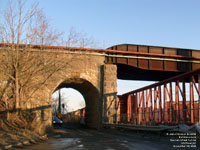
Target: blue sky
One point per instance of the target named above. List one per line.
(171, 23)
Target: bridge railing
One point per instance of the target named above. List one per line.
(172, 101)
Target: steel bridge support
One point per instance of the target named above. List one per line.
(172, 101)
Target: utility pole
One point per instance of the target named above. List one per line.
(59, 102)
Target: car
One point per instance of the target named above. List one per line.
(57, 121)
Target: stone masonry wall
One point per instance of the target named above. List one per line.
(80, 71)
(83, 73)
(110, 93)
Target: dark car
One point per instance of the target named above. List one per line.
(56, 121)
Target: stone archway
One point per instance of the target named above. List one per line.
(91, 96)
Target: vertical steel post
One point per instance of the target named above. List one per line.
(191, 102)
(136, 107)
(129, 108)
(151, 115)
(155, 104)
(165, 104)
(143, 117)
(171, 102)
(140, 109)
(147, 107)
(160, 104)
(177, 102)
(197, 90)
(184, 103)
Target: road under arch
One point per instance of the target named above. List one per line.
(91, 96)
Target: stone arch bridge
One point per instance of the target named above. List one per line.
(94, 73)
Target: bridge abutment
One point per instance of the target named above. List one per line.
(55, 69)
(110, 94)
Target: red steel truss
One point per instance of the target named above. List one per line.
(172, 101)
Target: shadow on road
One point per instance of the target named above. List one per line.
(76, 137)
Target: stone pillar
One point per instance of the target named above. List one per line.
(110, 94)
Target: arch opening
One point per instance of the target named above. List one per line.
(87, 102)
(71, 106)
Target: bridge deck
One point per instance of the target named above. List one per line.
(135, 61)
(138, 62)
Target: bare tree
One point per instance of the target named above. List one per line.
(27, 25)
(24, 70)
(20, 66)
(79, 39)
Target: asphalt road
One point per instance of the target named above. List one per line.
(107, 139)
